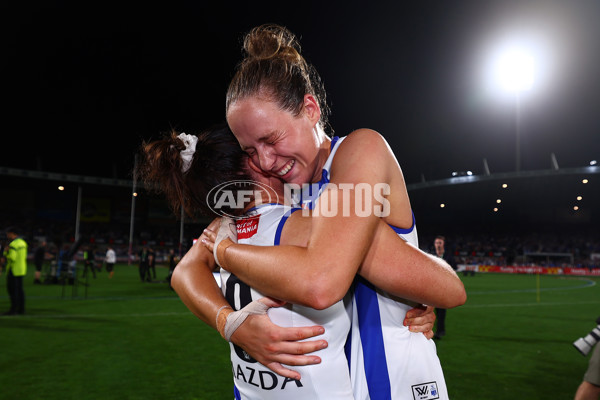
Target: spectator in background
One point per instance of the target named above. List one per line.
(62, 261)
(143, 266)
(440, 250)
(110, 260)
(89, 260)
(173, 260)
(151, 264)
(38, 260)
(3, 246)
(16, 268)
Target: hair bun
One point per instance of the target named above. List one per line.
(272, 41)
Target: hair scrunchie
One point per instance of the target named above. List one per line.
(189, 141)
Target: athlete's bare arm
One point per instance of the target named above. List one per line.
(393, 265)
(321, 273)
(194, 283)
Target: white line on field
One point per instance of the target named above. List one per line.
(83, 316)
(567, 303)
(587, 283)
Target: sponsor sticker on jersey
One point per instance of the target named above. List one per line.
(425, 391)
(247, 227)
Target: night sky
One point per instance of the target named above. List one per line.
(83, 83)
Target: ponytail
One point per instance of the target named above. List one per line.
(217, 159)
(273, 66)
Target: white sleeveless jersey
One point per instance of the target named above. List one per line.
(328, 380)
(386, 360)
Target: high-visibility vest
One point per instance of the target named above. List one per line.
(16, 257)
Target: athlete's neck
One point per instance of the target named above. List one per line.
(322, 156)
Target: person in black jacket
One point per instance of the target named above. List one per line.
(144, 264)
(89, 258)
(440, 250)
(38, 260)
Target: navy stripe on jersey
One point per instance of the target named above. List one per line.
(401, 231)
(282, 221)
(325, 175)
(311, 192)
(371, 337)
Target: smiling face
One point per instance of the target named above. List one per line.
(279, 143)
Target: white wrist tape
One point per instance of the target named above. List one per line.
(236, 318)
(227, 230)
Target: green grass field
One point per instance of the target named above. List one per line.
(133, 340)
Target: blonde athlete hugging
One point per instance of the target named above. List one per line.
(275, 108)
(186, 179)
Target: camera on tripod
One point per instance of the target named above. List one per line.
(585, 344)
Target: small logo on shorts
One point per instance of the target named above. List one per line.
(425, 391)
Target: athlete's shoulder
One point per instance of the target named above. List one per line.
(361, 158)
(365, 140)
(362, 147)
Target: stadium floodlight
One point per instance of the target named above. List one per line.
(516, 73)
(516, 69)
(514, 66)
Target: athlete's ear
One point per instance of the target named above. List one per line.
(311, 108)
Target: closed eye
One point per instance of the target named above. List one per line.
(273, 138)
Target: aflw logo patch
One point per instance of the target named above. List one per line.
(425, 391)
(247, 227)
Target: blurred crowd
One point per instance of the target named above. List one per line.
(543, 248)
(546, 249)
(99, 247)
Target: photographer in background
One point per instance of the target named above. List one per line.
(589, 389)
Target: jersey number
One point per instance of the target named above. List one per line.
(238, 295)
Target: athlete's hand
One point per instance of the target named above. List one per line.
(420, 319)
(208, 239)
(217, 242)
(272, 345)
(226, 233)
